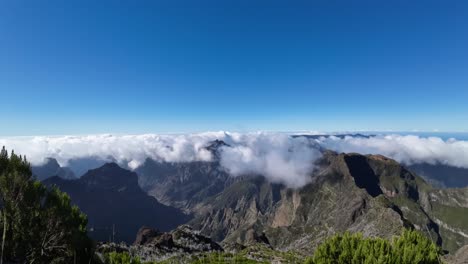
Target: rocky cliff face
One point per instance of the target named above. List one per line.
(459, 257)
(449, 210)
(183, 185)
(336, 201)
(369, 194)
(153, 245)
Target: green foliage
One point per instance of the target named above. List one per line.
(410, 247)
(453, 215)
(38, 225)
(212, 258)
(120, 258)
(413, 247)
(223, 258)
(257, 253)
(261, 252)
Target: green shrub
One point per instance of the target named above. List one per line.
(410, 247)
(120, 258)
(222, 258)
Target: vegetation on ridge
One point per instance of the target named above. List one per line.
(37, 224)
(410, 247)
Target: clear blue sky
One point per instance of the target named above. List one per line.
(77, 67)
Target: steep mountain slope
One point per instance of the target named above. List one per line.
(443, 175)
(449, 209)
(369, 194)
(437, 174)
(301, 218)
(460, 257)
(51, 168)
(112, 199)
(183, 184)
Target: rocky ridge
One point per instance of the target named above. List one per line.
(153, 245)
(348, 192)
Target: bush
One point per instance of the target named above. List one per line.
(410, 247)
(222, 258)
(120, 258)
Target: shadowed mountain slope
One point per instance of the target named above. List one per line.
(112, 199)
(442, 175)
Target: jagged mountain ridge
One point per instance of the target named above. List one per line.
(75, 168)
(301, 218)
(370, 194)
(184, 184)
(440, 175)
(50, 168)
(152, 245)
(113, 201)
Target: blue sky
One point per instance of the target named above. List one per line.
(78, 67)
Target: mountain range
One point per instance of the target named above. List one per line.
(371, 194)
(438, 173)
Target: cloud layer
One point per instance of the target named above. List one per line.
(281, 158)
(407, 149)
(278, 157)
(130, 149)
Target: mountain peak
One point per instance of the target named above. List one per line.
(112, 198)
(50, 168)
(111, 176)
(111, 166)
(215, 146)
(51, 162)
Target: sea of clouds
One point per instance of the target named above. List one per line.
(407, 149)
(278, 156)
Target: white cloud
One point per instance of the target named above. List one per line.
(281, 158)
(131, 149)
(277, 156)
(408, 149)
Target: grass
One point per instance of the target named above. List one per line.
(454, 216)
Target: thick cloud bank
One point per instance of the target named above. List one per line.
(130, 149)
(405, 149)
(279, 157)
